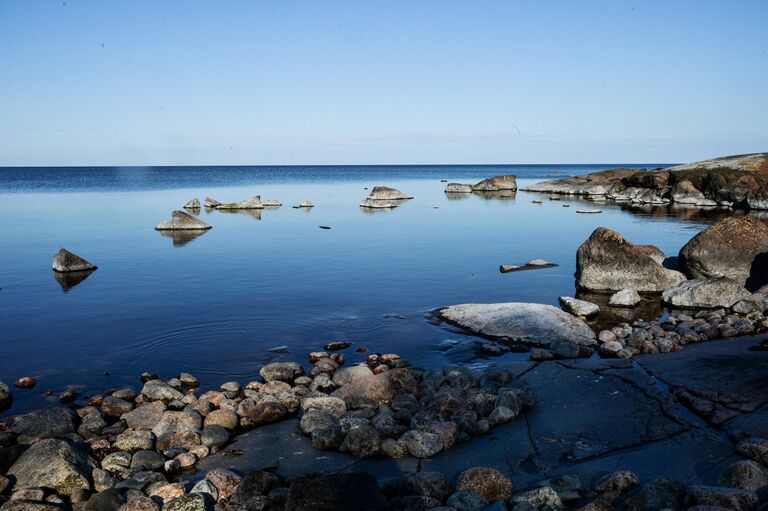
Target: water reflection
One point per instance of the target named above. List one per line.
(253, 213)
(182, 237)
(502, 195)
(648, 309)
(69, 280)
(457, 195)
(194, 211)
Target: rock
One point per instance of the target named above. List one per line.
(683, 192)
(6, 398)
(137, 501)
(579, 307)
(306, 204)
(617, 482)
(467, 501)
(147, 460)
(158, 390)
(337, 345)
(361, 442)
(485, 481)
(135, 440)
(540, 497)
(705, 294)
(337, 492)
(531, 323)
(192, 204)
(589, 211)
(421, 444)
(728, 498)
(214, 436)
(458, 188)
(377, 204)
(178, 421)
(43, 423)
(252, 203)
(182, 221)
(145, 416)
(188, 380)
(167, 492)
(211, 203)
(262, 412)
(429, 484)
(658, 494)
(191, 502)
(347, 375)
(381, 387)
(222, 417)
(65, 261)
(745, 475)
(281, 371)
(108, 500)
(225, 481)
(205, 486)
(329, 404)
(501, 415)
(496, 184)
(115, 406)
(625, 298)
(607, 262)
(735, 247)
(26, 383)
(385, 193)
(55, 464)
(253, 486)
(755, 449)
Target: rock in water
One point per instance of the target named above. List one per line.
(735, 247)
(706, 294)
(6, 398)
(607, 262)
(306, 204)
(377, 204)
(531, 323)
(252, 203)
(458, 188)
(625, 298)
(579, 307)
(193, 204)
(211, 203)
(65, 261)
(387, 194)
(495, 184)
(55, 464)
(182, 221)
(683, 192)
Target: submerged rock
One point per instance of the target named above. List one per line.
(306, 204)
(193, 204)
(271, 203)
(65, 261)
(579, 307)
(531, 323)
(625, 298)
(181, 220)
(608, 262)
(385, 193)
(377, 204)
(495, 184)
(735, 247)
(458, 188)
(252, 203)
(706, 294)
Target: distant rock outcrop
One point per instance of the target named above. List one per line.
(65, 261)
(192, 204)
(377, 204)
(211, 203)
(735, 247)
(252, 203)
(385, 193)
(606, 262)
(458, 188)
(496, 184)
(180, 221)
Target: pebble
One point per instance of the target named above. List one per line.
(27, 382)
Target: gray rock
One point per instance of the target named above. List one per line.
(192, 204)
(531, 323)
(421, 444)
(182, 221)
(617, 482)
(44, 423)
(608, 262)
(214, 436)
(458, 188)
(108, 500)
(486, 481)
(316, 419)
(145, 416)
(55, 464)
(158, 390)
(625, 298)
(385, 193)
(705, 294)
(361, 442)
(178, 421)
(683, 192)
(65, 261)
(252, 203)
(205, 486)
(755, 449)
(381, 387)
(333, 405)
(147, 460)
(579, 307)
(331, 437)
(191, 502)
(211, 203)
(728, 498)
(539, 497)
(377, 204)
(658, 494)
(281, 371)
(253, 485)
(6, 398)
(745, 475)
(349, 374)
(430, 484)
(496, 184)
(467, 501)
(135, 440)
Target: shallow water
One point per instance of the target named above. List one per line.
(216, 304)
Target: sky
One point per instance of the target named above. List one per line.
(380, 82)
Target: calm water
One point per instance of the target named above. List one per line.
(215, 305)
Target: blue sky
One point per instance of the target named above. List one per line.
(284, 82)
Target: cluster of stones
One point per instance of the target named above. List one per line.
(384, 408)
(502, 184)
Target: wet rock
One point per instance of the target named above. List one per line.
(182, 221)
(361, 442)
(421, 444)
(430, 484)
(735, 247)
(281, 371)
(394, 448)
(467, 501)
(530, 323)
(337, 345)
(728, 498)
(579, 307)
(496, 184)
(55, 464)
(385, 193)
(252, 203)
(339, 492)
(65, 261)
(43, 423)
(191, 502)
(192, 204)
(252, 488)
(26, 383)
(745, 475)
(6, 398)
(625, 298)
(115, 406)
(214, 436)
(705, 294)
(608, 262)
(458, 188)
(485, 481)
(331, 437)
(683, 192)
(380, 387)
(158, 390)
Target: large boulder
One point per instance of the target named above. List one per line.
(705, 294)
(44, 423)
(182, 221)
(55, 464)
(607, 262)
(65, 261)
(458, 188)
(386, 193)
(683, 192)
(380, 387)
(252, 203)
(531, 323)
(496, 184)
(735, 247)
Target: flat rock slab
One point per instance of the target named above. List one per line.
(531, 323)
